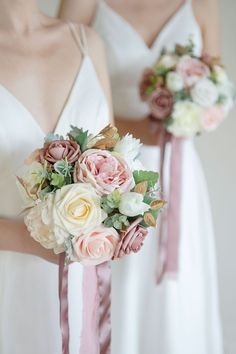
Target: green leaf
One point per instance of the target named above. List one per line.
(161, 70)
(111, 201)
(149, 176)
(57, 180)
(52, 137)
(118, 221)
(44, 192)
(181, 95)
(80, 136)
(63, 167)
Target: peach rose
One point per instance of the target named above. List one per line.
(212, 118)
(106, 171)
(59, 150)
(95, 247)
(192, 70)
(161, 103)
(131, 239)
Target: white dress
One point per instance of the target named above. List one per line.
(180, 316)
(29, 307)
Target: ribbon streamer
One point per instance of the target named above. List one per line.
(63, 297)
(104, 320)
(170, 230)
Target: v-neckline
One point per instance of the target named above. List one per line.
(64, 108)
(162, 31)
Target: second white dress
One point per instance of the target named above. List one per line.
(180, 316)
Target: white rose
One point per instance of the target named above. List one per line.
(220, 74)
(39, 222)
(77, 208)
(186, 119)
(205, 93)
(175, 82)
(168, 61)
(132, 204)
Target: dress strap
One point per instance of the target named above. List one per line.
(79, 37)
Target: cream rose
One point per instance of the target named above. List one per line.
(39, 222)
(77, 208)
(205, 93)
(168, 61)
(96, 246)
(131, 204)
(186, 119)
(174, 81)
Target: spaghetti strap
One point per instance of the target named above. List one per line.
(83, 38)
(80, 38)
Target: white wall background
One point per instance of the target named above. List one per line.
(217, 152)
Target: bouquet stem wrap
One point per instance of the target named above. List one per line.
(96, 333)
(171, 218)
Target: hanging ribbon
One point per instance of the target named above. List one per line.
(104, 320)
(171, 218)
(96, 332)
(63, 297)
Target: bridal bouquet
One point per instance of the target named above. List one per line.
(88, 196)
(187, 94)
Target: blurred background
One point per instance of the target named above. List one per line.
(217, 152)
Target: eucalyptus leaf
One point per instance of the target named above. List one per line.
(52, 137)
(80, 136)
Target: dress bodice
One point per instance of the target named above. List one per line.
(128, 55)
(20, 134)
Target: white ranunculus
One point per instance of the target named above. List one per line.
(220, 74)
(168, 61)
(205, 93)
(132, 204)
(175, 82)
(129, 148)
(77, 208)
(39, 222)
(186, 119)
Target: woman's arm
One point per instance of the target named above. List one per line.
(81, 11)
(207, 14)
(15, 237)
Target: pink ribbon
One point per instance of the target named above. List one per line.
(104, 320)
(63, 296)
(170, 221)
(96, 332)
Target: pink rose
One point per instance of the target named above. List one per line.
(95, 247)
(145, 83)
(212, 118)
(161, 103)
(59, 150)
(192, 70)
(104, 170)
(131, 239)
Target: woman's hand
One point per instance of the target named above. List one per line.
(141, 129)
(15, 237)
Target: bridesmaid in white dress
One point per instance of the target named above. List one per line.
(49, 79)
(180, 316)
